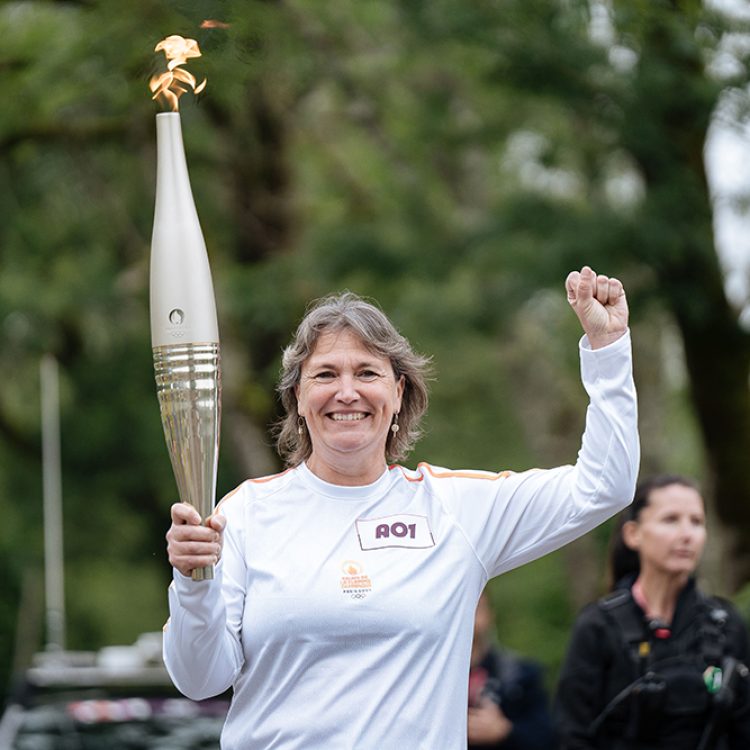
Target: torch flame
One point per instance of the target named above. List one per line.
(168, 85)
(212, 23)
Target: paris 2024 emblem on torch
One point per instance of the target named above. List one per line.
(184, 328)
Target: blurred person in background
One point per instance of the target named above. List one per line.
(342, 608)
(657, 663)
(508, 707)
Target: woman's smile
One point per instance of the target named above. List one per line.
(348, 417)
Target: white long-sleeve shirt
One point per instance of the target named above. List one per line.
(342, 616)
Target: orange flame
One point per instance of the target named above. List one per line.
(168, 85)
(212, 23)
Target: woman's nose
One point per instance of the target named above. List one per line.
(687, 529)
(347, 391)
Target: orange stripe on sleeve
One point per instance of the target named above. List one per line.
(270, 477)
(258, 480)
(463, 474)
(492, 476)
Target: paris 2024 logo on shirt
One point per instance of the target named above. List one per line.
(354, 583)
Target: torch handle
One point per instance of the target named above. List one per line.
(206, 573)
(203, 574)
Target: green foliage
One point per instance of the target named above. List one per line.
(533, 611)
(453, 161)
(128, 597)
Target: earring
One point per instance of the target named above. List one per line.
(300, 425)
(394, 426)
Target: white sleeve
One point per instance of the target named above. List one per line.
(202, 644)
(515, 518)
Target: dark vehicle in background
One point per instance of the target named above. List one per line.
(119, 698)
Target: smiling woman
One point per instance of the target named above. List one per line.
(342, 610)
(366, 328)
(349, 399)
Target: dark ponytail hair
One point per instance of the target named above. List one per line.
(624, 561)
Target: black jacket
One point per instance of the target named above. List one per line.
(516, 685)
(669, 706)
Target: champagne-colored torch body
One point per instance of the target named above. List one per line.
(184, 329)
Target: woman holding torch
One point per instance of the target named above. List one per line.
(342, 607)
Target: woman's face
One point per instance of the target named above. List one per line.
(670, 532)
(348, 396)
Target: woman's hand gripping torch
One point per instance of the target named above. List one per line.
(184, 328)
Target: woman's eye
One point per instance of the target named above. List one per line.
(325, 375)
(368, 374)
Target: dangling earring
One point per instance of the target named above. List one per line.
(300, 426)
(394, 426)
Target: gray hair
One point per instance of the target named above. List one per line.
(348, 311)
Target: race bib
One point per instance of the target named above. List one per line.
(402, 530)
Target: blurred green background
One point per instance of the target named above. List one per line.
(453, 161)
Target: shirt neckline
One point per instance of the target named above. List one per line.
(346, 492)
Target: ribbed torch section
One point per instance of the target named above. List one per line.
(184, 330)
(188, 384)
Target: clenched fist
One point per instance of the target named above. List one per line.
(600, 304)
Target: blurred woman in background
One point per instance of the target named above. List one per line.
(657, 663)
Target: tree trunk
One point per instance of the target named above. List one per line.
(669, 119)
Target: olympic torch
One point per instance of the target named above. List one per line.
(184, 328)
